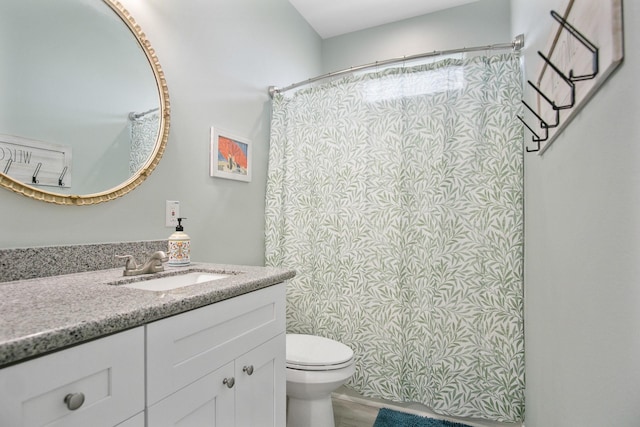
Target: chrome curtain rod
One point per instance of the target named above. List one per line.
(517, 44)
(134, 116)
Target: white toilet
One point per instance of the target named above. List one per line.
(316, 366)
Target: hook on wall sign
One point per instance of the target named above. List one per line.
(553, 105)
(535, 137)
(64, 172)
(585, 42)
(570, 84)
(575, 65)
(34, 178)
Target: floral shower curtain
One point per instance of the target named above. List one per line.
(144, 131)
(397, 197)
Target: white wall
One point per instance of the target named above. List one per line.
(481, 23)
(582, 244)
(219, 57)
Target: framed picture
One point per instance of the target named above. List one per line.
(230, 156)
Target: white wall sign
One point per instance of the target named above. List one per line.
(35, 162)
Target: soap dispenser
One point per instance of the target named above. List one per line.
(179, 246)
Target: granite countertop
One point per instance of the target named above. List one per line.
(38, 316)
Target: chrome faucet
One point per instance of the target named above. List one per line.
(153, 264)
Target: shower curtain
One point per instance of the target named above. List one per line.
(397, 196)
(143, 131)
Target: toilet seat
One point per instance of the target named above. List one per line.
(314, 353)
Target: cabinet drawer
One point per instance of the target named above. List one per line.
(185, 347)
(109, 372)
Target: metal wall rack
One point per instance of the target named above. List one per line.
(569, 80)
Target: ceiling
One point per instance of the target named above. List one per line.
(335, 17)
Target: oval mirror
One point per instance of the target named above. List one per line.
(84, 112)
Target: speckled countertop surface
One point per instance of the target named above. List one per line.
(41, 315)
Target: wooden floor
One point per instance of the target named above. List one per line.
(351, 414)
(352, 410)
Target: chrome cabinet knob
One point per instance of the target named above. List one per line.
(248, 369)
(229, 382)
(74, 400)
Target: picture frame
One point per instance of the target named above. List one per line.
(230, 156)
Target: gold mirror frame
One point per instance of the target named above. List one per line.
(152, 162)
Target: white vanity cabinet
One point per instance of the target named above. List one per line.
(100, 383)
(252, 400)
(220, 365)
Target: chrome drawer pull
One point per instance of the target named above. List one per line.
(248, 369)
(74, 400)
(229, 382)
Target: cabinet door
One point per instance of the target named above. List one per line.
(100, 383)
(261, 385)
(137, 421)
(208, 402)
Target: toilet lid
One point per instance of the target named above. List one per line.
(313, 352)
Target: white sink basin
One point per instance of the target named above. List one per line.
(173, 282)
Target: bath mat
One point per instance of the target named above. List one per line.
(389, 418)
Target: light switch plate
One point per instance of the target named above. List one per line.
(172, 213)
